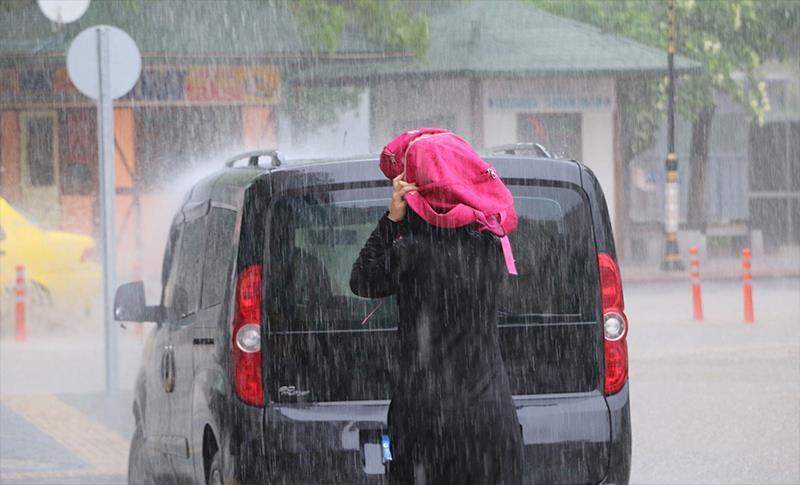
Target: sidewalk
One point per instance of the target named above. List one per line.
(763, 266)
(66, 363)
(76, 439)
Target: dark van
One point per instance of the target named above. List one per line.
(265, 368)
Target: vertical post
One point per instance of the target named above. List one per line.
(19, 333)
(137, 264)
(138, 328)
(672, 259)
(697, 299)
(747, 287)
(105, 131)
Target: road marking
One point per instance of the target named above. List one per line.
(23, 464)
(103, 449)
(54, 474)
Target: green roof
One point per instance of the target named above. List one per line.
(511, 38)
(173, 29)
(480, 38)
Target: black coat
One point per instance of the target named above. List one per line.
(451, 413)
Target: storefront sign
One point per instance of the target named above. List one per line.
(231, 84)
(551, 103)
(9, 83)
(158, 85)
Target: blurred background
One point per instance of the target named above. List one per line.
(334, 78)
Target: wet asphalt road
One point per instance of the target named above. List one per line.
(717, 401)
(712, 402)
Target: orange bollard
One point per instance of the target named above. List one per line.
(697, 299)
(20, 307)
(748, 288)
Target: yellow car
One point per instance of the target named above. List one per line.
(60, 271)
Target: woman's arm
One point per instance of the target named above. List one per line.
(373, 274)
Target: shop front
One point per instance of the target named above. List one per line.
(574, 118)
(176, 123)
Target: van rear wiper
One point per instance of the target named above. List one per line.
(372, 312)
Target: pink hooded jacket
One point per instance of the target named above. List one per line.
(456, 187)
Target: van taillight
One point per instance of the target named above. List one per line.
(615, 325)
(246, 337)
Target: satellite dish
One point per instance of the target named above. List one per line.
(63, 11)
(124, 58)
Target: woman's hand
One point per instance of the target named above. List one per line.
(397, 209)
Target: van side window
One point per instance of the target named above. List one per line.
(190, 268)
(219, 254)
(169, 270)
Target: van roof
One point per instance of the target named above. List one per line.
(296, 174)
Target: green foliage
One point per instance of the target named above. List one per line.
(321, 21)
(639, 119)
(385, 21)
(729, 37)
(133, 5)
(312, 107)
(9, 5)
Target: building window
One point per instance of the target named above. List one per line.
(768, 157)
(775, 182)
(41, 165)
(560, 133)
(794, 157)
(79, 160)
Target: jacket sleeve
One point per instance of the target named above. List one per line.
(374, 275)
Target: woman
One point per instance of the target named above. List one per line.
(452, 419)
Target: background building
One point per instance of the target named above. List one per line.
(752, 185)
(222, 77)
(210, 87)
(506, 75)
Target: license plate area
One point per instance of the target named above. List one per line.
(371, 451)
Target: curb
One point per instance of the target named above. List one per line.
(654, 276)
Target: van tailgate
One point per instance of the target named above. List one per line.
(566, 437)
(326, 443)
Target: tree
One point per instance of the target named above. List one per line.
(385, 22)
(729, 37)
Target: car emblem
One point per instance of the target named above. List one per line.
(292, 391)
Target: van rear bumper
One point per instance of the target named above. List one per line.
(324, 442)
(619, 470)
(569, 438)
(566, 436)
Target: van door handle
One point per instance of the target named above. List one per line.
(168, 369)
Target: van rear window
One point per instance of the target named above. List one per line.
(341, 347)
(316, 237)
(555, 257)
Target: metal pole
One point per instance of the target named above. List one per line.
(105, 139)
(672, 259)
